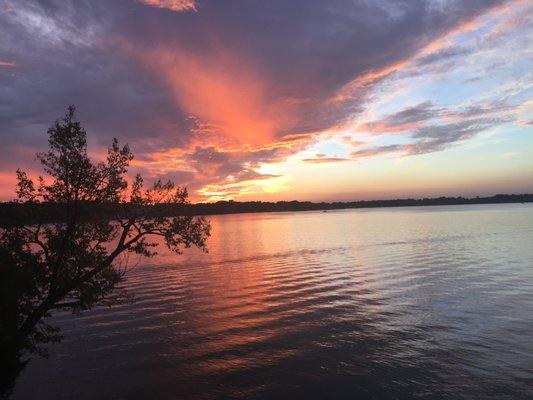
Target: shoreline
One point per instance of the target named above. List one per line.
(363, 207)
(234, 207)
(11, 211)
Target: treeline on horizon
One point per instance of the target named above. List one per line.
(14, 212)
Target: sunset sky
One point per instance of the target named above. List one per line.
(279, 100)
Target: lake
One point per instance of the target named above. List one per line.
(390, 303)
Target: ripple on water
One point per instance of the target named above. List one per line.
(313, 305)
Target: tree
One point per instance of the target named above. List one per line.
(73, 260)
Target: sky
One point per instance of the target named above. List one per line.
(279, 100)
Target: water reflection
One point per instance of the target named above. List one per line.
(399, 303)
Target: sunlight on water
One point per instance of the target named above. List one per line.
(432, 302)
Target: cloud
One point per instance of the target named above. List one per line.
(323, 159)
(432, 138)
(426, 112)
(442, 55)
(379, 150)
(50, 24)
(7, 64)
(230, 190)
(174, 5)
(437, 137)
(221, 90)
(211, 168)
(210, 96)
(403, 120)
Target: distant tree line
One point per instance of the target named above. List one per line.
(13, 213)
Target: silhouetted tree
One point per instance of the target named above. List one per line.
(77, 261)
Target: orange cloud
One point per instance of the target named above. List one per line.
(174, 5)
(220, 89)
(215, 171)
(7, 64)
(241, 123)
(230, 190)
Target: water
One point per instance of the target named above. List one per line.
(430, 302)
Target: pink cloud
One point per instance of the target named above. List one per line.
(174, 5)
(7, 64)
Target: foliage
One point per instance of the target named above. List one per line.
(77, 261)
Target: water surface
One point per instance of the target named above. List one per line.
(426, 302)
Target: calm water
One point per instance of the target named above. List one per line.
(432, 302)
